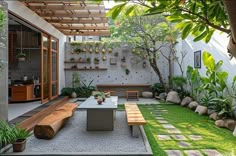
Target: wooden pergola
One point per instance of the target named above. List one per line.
(72, 17)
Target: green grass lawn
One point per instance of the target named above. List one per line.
(189, 123)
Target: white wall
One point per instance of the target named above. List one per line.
(217, 47)
(27, 14)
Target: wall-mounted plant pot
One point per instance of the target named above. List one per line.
(110, 50)
(97, 50)
(91, 50)
(21, 59)
(104, 58)
(103, 51)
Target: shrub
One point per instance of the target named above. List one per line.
(157, 88)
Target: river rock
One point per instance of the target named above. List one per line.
(193, 105)
(201, 110)
(186, 101)
(173, 97)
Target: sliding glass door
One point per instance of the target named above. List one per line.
(49, 68)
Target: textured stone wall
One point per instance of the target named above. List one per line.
(4, 70)
(115, 74)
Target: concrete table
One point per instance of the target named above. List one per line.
(100, 117)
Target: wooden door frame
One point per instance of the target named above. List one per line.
(51, 97)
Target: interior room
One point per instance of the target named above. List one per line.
(24, 61)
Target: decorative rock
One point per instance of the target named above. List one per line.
(193, 105)
(162, 96)
(173, 97)
(234, 132)
(147, 94)
(210, 111)
(186, 101)
(227, 123)
(201, 110)
(214, 116)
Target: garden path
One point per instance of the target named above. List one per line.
(171, 133)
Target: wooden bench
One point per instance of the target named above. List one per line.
(51, 124)
(134, 118)
(132, 94)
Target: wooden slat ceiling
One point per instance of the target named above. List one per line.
(72, 17)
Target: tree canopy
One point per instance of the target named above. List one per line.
(199, 18)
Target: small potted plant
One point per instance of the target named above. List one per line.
(72, 59)
(21, 56)
(96, 60)
(99, 100)
(19, 141)
(88, 60)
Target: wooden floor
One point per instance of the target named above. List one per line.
(31, 118)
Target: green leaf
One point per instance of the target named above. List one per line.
(218, 65)
(208, 60)
(186, 30)
(200, 37)
(130, 9)
(209, 35)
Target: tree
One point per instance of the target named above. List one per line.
(199, 18)
(148, 34)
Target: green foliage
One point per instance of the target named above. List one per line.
(208, 101)
(197, 18)
(85, 90)
(75, 79)
(157, 88)
(67, 91)
(2, 17)
(194, 82)
(178, 82)
(20, 133)
(11, 133)
(6, 135)
(223, 106)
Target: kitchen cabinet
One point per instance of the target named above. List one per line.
(22, 93)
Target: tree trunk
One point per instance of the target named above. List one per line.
(154, 66)
(170, 72)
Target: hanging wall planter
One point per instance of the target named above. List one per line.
(127, 71)
(21, 57)
(104, 58)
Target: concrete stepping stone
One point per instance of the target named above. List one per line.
(212, 152)
(164, 137)
(162, 121)
(193, 153)
(168, 126)
(184, 144)
(195, 137)
(159, 118)
(173, 152)
(173, 131)
(179, 137)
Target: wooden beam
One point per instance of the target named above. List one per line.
(66, 7)
(87, 33)
(77, 21)
(82, 27)
(82, 15)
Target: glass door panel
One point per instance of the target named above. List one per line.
(45, 69)
(54, 68)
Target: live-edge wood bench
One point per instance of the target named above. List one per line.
(134, 118)
(51, 124)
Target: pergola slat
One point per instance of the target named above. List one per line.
(72, 17)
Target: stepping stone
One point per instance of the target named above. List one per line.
(159, 118)
(168, 126)
(173, 131)
(195, 137)
(184, 144)
(192, 153)
(164, 137)
(173, 152)
(163, 110)
(179, 137)
(162, 121)
(212, 152)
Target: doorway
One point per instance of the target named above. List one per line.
(35, 75)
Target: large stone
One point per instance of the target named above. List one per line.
(147, 94)
(193, 105)
(201, 110)
(214, 116)
(226, 123)
(234, 132)
(162, 96)
(210, 111)
(186, 101)
(173, 97)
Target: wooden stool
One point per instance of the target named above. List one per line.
(112, 92)
(132, 93)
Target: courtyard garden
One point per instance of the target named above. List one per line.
(163, 83)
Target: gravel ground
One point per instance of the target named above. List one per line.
(74, 138)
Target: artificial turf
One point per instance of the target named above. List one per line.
(189, 123)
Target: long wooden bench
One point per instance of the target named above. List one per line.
(51, 124)
(134, 118)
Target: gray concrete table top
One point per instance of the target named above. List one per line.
(91, 103)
